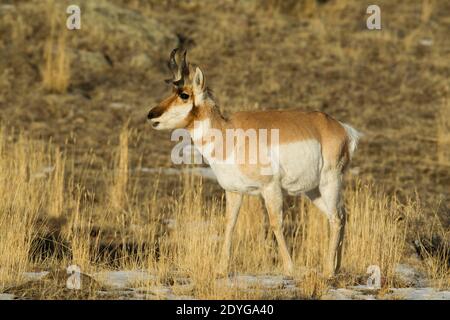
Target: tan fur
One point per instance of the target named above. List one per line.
(293, 125)
(317, 152)
(296, 125)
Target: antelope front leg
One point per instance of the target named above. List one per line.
(233, 204)
(273, 199)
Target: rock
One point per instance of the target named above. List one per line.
(140, 61)
(409, 275)
(111, 36)
(123, 33)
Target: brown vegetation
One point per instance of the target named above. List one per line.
(73, 180)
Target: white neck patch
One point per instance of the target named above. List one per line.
(200, 129)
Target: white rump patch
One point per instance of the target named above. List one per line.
(353, 136)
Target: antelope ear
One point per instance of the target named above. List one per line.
(199, 85)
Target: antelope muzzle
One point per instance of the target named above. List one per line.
(153, 115)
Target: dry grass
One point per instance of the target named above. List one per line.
(118, 192)
(90, 202)
(56, 69)
(82, 246)
(23, 196)
(432, 241)
(437, 268)
(443, 131)
(56, 186)
(187, 248)
(303, 7)
(387, 84)
(427, 10)
(379, 227)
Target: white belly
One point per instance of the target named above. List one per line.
(300, 166)
(227, 171)
(230, 178)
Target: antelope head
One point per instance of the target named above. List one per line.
(178, 110)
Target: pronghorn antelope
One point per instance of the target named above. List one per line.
(313, 152)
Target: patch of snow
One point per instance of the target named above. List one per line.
(427, 42)
(35, 275)
(263, 281)
(161, 292)
(363, 287)
(125, 284)
(339, 294)
(361, 293)
(419, 294)
(123, 279)
(349, 294)
(146, 293)
(6, 296)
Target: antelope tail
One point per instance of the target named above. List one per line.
(353, 138)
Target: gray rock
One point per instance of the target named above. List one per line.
(410, 276)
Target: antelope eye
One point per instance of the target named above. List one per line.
(184, 96)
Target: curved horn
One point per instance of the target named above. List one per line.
(172, 64)
(179, 72)
(184, 68)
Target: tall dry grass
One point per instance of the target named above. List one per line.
(80, 227)
(433, 242)
(118, 191)
(56, 185)
(56, 69)
(23, 196)
(182, 254)
(427, 10)
(443, 130)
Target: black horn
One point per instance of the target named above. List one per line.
(184, 68)
(172, 65)
(179, 70)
